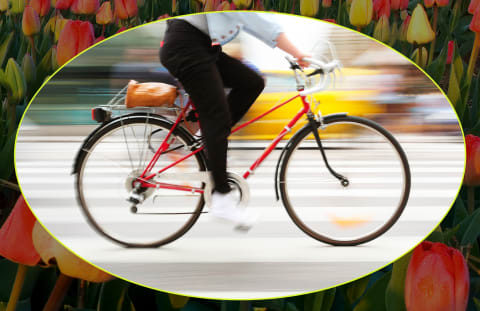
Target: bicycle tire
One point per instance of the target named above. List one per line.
(318, 214)
(131, 231)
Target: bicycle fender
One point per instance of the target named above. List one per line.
(306, 127)
(85, 145)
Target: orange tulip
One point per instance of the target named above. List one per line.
(16, 235)
(125, 8)
(430, 3)
(63, 4)
(74, 38)
(84, 6)
(472, 168)
(380, 8)
(41, 6)
(30, 21)
(104, 14)
(419, 30)
(326, 3)
(474, 4)
(437, 279)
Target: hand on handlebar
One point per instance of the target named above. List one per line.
(301, 59)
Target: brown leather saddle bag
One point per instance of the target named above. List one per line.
(150, 94)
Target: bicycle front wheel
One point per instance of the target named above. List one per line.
(366, 205)
(112, 161)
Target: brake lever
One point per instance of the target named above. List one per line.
(293, 64)
(316, 71)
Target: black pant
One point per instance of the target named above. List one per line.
(204, 70)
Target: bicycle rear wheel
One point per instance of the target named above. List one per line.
(378, 185)
(112, 160)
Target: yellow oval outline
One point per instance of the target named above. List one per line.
(232, 299)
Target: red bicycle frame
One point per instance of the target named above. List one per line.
(144, 178)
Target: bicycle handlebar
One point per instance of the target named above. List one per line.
(326, 69)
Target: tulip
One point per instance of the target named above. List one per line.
(4, 4)
(451, 47)
(309, 7)
(398, 4)
(125, 8)
(474, 4)
(326, 3)
(419, 30)
(241, 4)
(404, 28)
(330, 20)
(381, 7)
(85, 6)
(361, 13)
(437, 279)
(159, 18)
(41, 6)
(430, 3)
(104, 14)
(210, 5)
(472, 168)
(30, 21)
(63, 4)
(382, 29)
(15, 81)
(420, 58)
(122, 29)
(17, 6)
(223, 6)
(16, 245)
(475, 23)
(74, 38)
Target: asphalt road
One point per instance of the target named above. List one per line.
(273, 259)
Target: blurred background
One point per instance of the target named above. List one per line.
(378, 83)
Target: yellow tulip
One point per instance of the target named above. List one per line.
(309, 7)
(419, 30)
(382, 29)
(4, 4)
(242, 4)
(18, 6)
(361, 13)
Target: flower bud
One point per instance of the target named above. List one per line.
(419, 30)
(475, 23)
(472, 168)
(309, 7)
(17, 6)
(474, 4)
(382, 29)
(59, 25)
(125, 8)
(223, 6)
(450, 50)
(398, 4)
(29, 69)
(63, 4)
(403, 28)
(104, 14)
(437, 279)
(381, 7)
(30, 21)
(41, 6)
(361, 12)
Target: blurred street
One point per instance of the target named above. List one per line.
(274, 259)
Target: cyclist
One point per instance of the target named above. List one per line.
(192, 53)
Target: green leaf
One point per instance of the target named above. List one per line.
(476, 301)
(6, 157)
(473, 229)
(329, 296)
(4, 47)
(355, 289)
(374, 298)
(395, 293)
(460, 211)
(437, 68)
(436, 236)
(454, 92)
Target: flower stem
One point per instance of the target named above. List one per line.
(58, 293)
(432, 46)
(339, 10)
(32, 45)
(17, 287)
(470, 199)
(471, 67)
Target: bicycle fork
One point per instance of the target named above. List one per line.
(313, 125)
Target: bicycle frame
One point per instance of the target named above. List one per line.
(144, 178)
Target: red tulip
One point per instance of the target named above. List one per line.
(30, 21)
(75, 37)
(163, 16)
(326, 3)
(330, 20)
(474, 4)
(381, 8)
(430, 3)
(84, 6)
(16, 235)
(437, 279)
(41, 6)
(63, 4)
(399, 4)
(125, 8)
(472, 168)
(451, 47)
(104, 14)
(475, 23)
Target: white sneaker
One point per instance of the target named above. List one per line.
(225, 206)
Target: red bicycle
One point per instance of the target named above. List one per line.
(142, 179)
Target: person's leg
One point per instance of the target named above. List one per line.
(189, 56)
(246, 85)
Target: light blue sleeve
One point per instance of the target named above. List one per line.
(261, 26)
